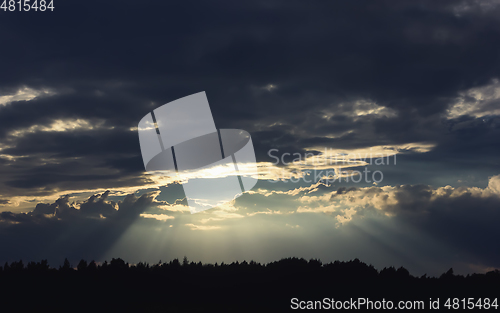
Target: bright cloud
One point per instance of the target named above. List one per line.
(25, 94)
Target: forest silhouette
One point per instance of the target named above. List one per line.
(183, 286)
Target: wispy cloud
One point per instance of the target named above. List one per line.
(202, 227)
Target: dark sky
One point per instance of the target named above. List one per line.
(415, 79)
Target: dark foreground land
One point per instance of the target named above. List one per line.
(237, 287)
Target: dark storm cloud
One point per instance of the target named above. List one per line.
(462, 218)
(466, 221)
(115, 67)
(80, 158)
(58, 229)
(406, 55)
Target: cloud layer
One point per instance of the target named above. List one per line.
(419, 80)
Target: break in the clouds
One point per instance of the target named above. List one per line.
(418, 81)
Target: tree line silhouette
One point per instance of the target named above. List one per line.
(237, 287)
